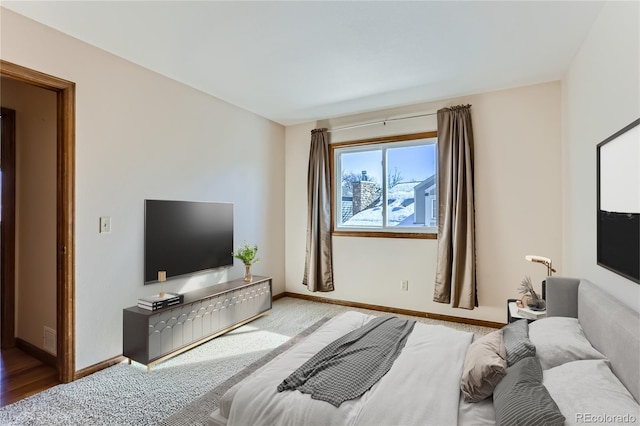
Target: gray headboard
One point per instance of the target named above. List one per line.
(612, 327)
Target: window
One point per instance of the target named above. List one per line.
(385, 186)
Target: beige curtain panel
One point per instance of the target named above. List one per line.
(456, 267)
(318, 268)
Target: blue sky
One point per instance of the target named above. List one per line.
(415, 163)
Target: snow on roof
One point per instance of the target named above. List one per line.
(400, 205)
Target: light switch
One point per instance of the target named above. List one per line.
(105, 224)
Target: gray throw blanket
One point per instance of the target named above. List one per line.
(349, 366)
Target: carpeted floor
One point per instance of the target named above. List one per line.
(128, 395)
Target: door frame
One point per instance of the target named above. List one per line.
(8, 228)
(65, 210)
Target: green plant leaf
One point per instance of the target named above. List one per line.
(247, 254)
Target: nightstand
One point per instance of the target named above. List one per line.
(514, 315)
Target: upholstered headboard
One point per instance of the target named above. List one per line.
(612, 327)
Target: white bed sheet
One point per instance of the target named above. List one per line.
(422, 387)
(479, 413)
(469, 413)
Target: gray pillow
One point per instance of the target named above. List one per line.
(559, 340)
(484, 366)
(589, 386)
(520, 398)
(516, 341)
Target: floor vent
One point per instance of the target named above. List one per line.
(50, 340)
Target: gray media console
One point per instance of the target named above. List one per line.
(153, 336)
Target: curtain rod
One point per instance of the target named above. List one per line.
(384, 122)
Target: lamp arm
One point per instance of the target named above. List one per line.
(543, 260)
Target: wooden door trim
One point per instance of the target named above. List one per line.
(65, 234)
(8, 228)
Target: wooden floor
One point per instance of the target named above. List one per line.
(21, 376)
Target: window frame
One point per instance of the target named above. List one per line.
(367, 232)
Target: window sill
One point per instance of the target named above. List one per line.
(385, 234)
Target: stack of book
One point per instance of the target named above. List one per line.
(531, 314)
(153, 303)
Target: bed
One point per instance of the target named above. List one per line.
(580, 365)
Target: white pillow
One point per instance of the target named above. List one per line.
(588, 392)
(559, 340)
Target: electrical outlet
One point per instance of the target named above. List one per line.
(405, 285)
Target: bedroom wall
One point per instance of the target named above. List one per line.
(517, 171)
(35, 283)
(141, 135)
(600, 96)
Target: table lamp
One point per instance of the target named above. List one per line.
(544, 260)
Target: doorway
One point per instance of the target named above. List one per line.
(65, 214)
(7, 226)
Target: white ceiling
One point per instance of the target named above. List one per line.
(298, 61)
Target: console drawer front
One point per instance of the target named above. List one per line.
(172, 329)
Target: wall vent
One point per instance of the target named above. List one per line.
(50, 340)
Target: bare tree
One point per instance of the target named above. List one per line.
(395, 178)
(349, 178)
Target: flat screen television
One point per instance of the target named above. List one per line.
(184, 237)
(618, 202)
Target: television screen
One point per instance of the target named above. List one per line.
(183, 237)
(618, 202)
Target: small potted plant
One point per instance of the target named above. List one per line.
(247, 253)
(531, 298)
